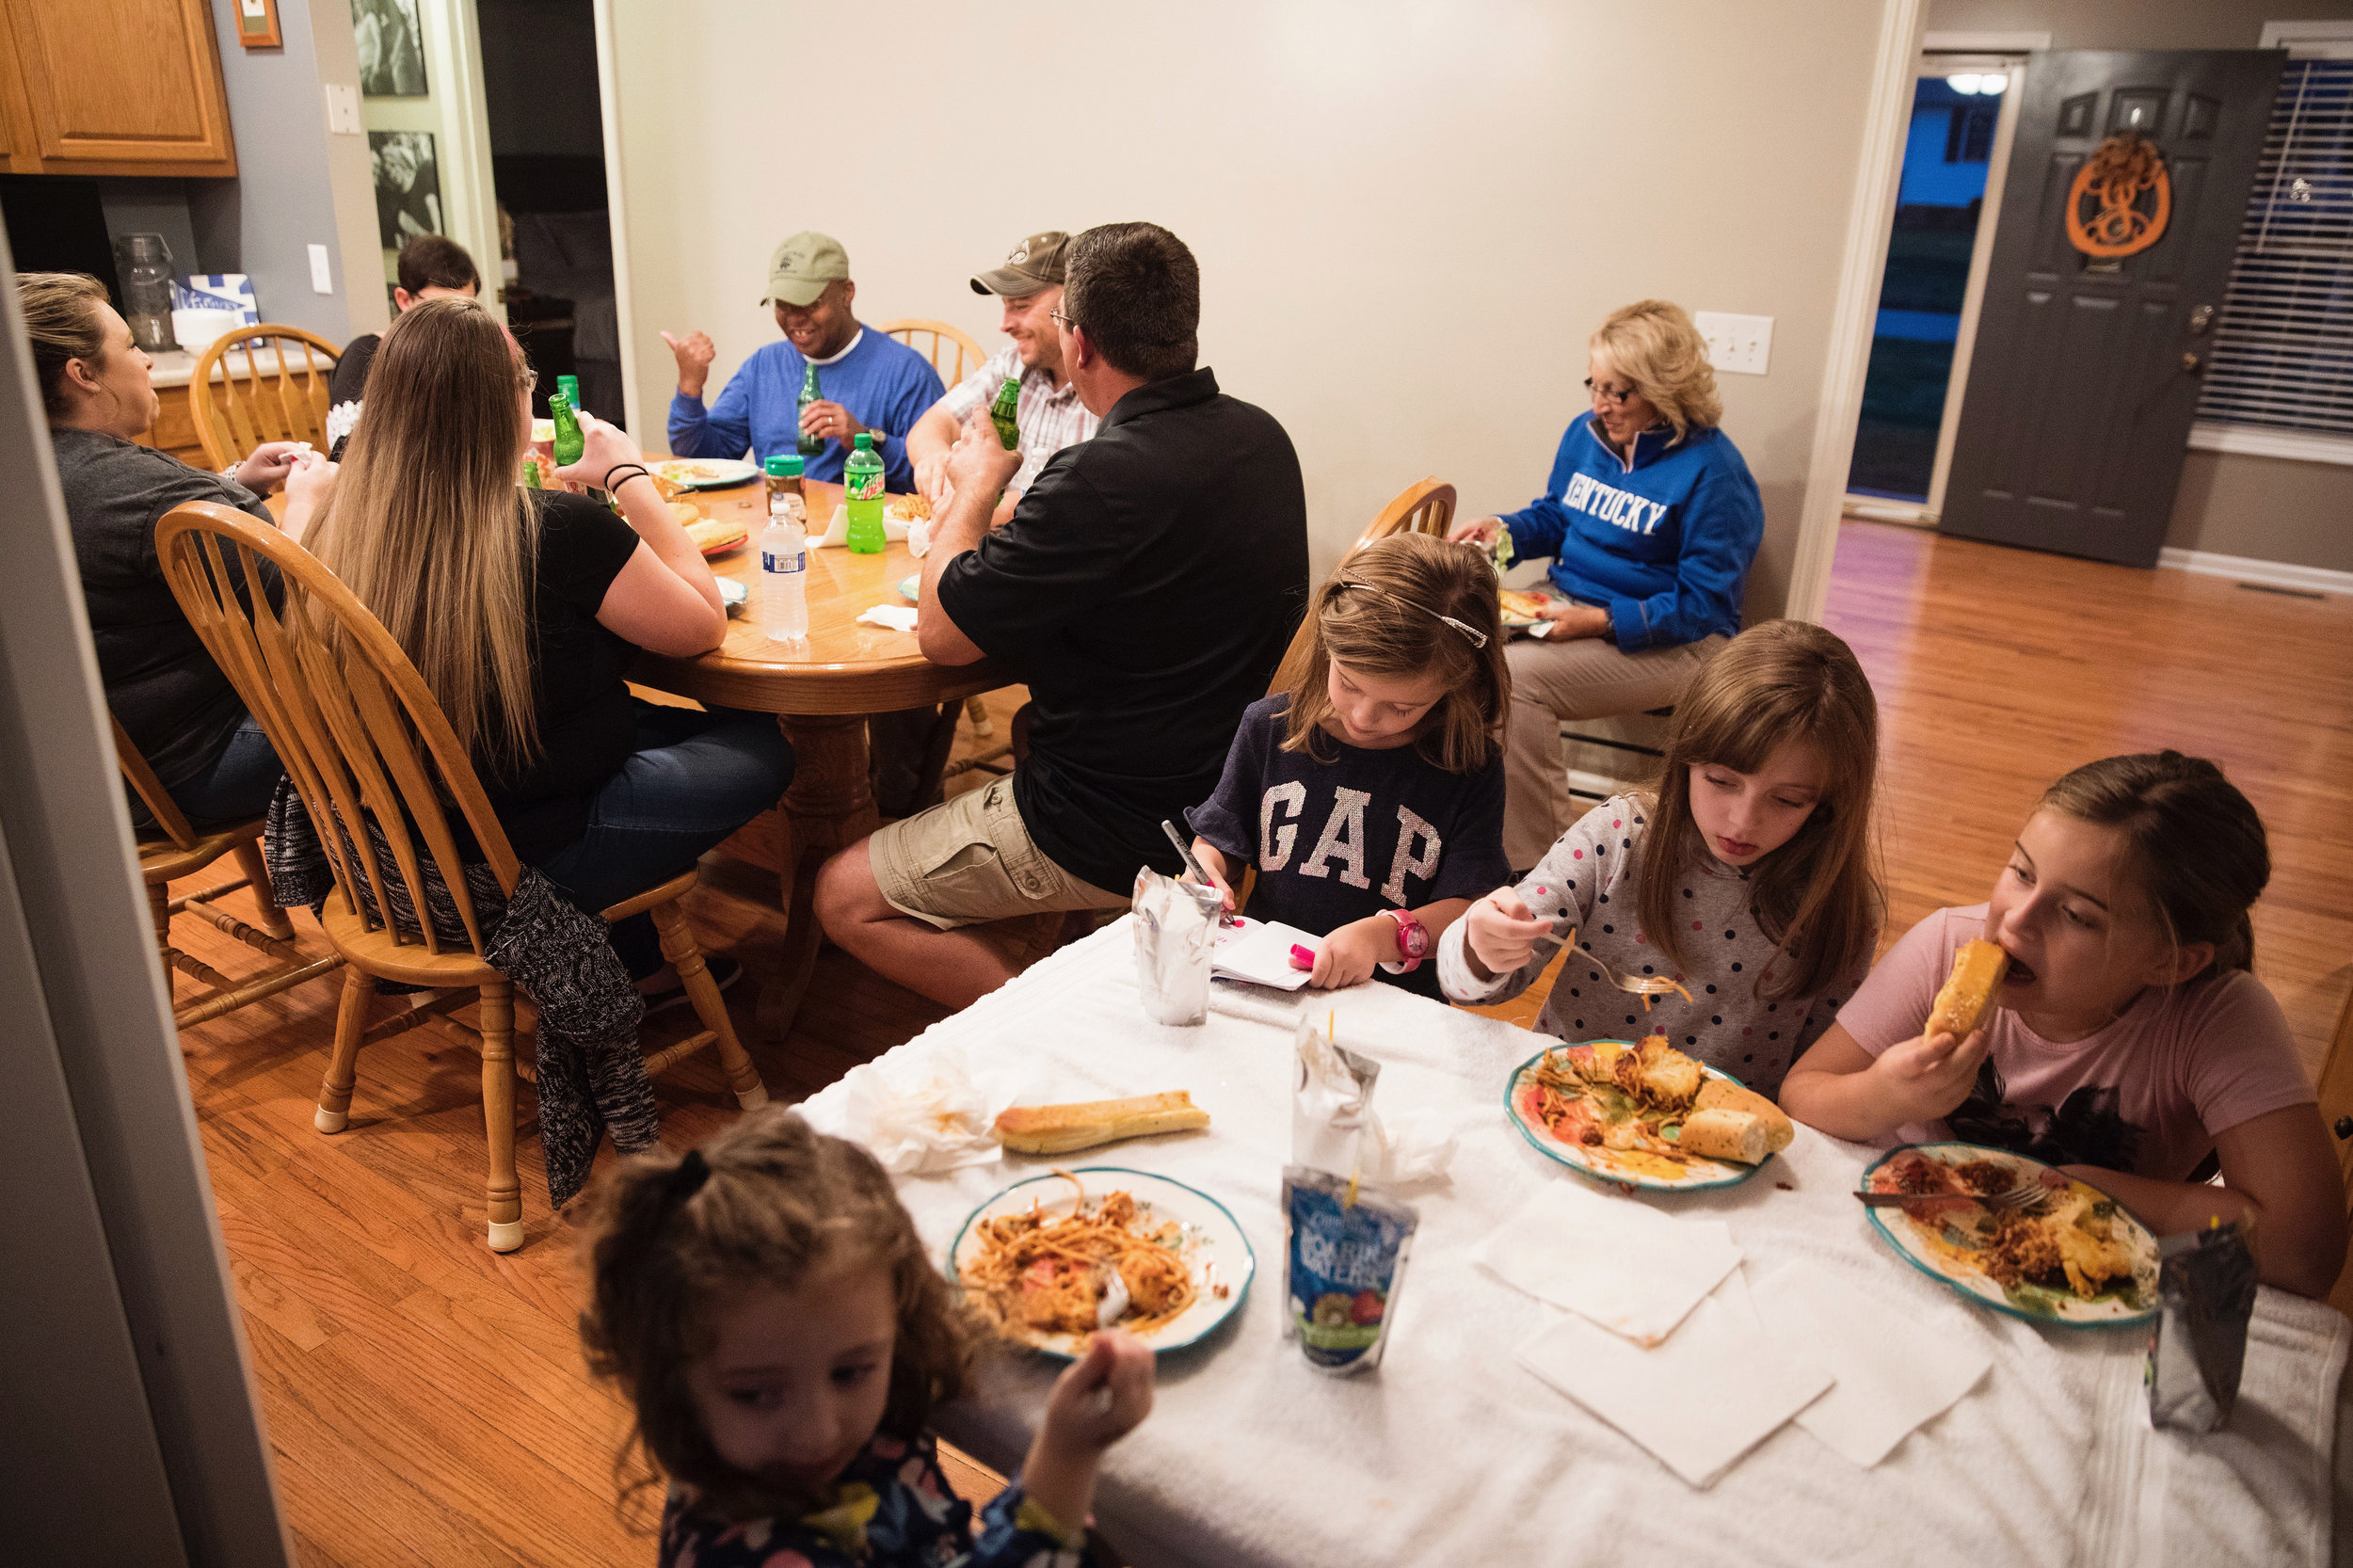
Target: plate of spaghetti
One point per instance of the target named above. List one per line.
(2076, 1257)
(1618, 1112)
(1051, 1259)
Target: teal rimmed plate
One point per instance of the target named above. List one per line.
(1212, 1245)
(1618, 1167)
(1945, 1246)
(705, 473)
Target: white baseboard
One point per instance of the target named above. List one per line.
(2246, 568)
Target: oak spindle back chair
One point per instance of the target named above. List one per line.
(367, 746)
(1426, 506)
(940, 338)
(950, 349)
(264, 393)
(174, 849)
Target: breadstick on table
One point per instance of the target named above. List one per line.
(1059, 1129)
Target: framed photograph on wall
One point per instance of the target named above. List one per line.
(407, 186)
(257, 25)
(392, 48)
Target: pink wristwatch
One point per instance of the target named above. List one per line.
(1413, 940)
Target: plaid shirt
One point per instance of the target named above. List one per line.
(1050, 417)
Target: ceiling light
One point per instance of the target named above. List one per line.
(1993, 83)
(1965, 84)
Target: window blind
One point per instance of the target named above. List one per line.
(2282, 349)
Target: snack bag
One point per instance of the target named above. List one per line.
(1345, 1242)
(2206, 1296)
(1175, 927)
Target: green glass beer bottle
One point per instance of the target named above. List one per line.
(568, 438)
(862, 495)
(809, 444)
(1002, 412)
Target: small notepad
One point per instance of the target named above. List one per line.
(1259, 951)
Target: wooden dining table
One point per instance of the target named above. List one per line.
(822, 690)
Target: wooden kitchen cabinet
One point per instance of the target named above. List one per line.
(112, 87)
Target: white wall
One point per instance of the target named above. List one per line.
(454, 111)
(1409, 217)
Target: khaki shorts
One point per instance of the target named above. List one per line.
(972, 860)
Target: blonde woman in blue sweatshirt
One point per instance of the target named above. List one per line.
(1651, 520)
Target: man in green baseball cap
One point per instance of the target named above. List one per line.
(865, 381)
(1050, 416)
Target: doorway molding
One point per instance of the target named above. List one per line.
(1870, 219)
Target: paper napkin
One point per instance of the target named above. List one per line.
(898, 618)
(1893, 1375)
(1712, 1392)
(1627, 1268)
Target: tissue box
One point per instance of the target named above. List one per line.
(206, 306)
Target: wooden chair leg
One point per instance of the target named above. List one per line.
(977, 710)
(498, 1113)
(159, 911)
(687, 957)
(342, 1067)
(273, 919)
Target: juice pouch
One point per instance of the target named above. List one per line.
(1344, 1250)
(1344, 1242)
(2205, 1298)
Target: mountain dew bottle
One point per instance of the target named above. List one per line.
(809, 446)
(1002, 412)
(862, 494)
(568, 441)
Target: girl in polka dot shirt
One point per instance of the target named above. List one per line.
(1745, 876)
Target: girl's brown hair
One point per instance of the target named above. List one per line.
(781, 1204)
(1408, 605)
(1818, 897)
(428, 527)
(2194, 844)
(61, 317)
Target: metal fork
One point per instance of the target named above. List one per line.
(2025, 1194)
(1643, 986)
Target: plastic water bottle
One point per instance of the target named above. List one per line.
(782, 608)
(862, 494)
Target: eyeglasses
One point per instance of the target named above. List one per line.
(1612, 395)
(1063, 319)
(1477, 638)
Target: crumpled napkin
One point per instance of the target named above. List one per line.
(1624, 1266)
(1414, 1146)
(897, 618)
(920, 1109)
(918, 537)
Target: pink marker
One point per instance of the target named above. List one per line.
(1302, 958)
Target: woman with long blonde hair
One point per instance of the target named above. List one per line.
(1651, 520)
(522, 610)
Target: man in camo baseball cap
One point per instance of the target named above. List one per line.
(1034, 265)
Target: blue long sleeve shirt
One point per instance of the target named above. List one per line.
(884, 384)
(1663, 536)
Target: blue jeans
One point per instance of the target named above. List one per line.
(695, 778)
(236, 789)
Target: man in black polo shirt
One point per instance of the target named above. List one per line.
(1146, 589)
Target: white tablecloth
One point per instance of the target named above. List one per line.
(1449, 1454)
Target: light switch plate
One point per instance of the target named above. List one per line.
(343, 109)
(322, 280)
(1741, 345)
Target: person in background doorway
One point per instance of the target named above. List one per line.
(1651, 520)
(172, 700)
(430, 267)
(866, 382)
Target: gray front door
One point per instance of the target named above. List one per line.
(2085, 374)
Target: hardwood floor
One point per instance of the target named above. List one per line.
(426, 1396)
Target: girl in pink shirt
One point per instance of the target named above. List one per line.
(2131, 1040)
